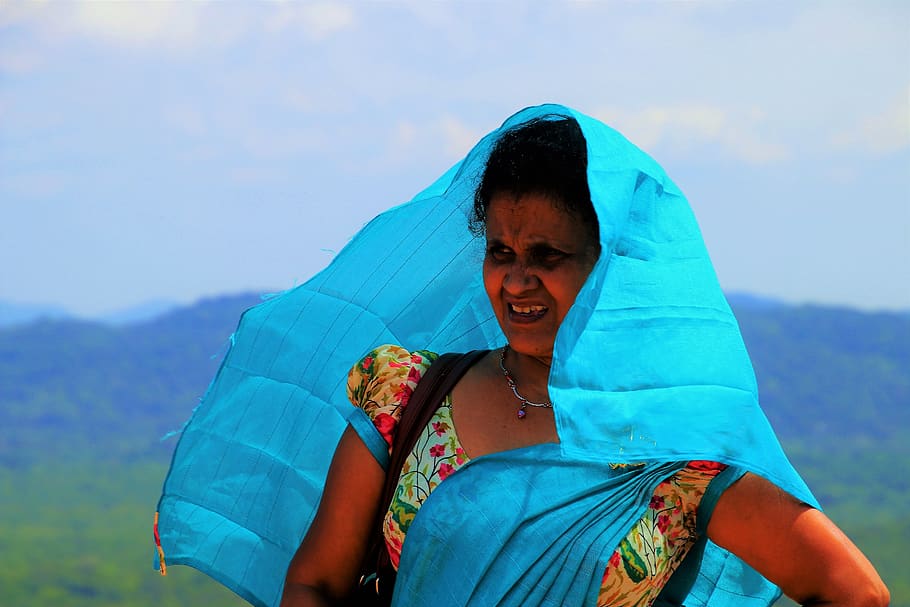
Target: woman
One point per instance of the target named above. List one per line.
(607, 331)
(543, 238)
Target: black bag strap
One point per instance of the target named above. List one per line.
(431, 390)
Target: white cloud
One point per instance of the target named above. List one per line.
(299, 100)
(132, 25)
(138, 23)
(405, 135)
(457, 136)
(186, 119)
(33, 185)
(400, 144)
(177, 26)
(317, 20)
(434, 14)
(449, 137)
(882, 132)
(684, 127)
(256, 175)
(17, 61)
(411, 151)
(305, 95)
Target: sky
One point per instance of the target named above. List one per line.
(175, 151)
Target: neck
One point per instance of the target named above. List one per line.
(530, 371)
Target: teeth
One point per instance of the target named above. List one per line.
(528, 309)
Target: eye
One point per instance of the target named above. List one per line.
(499, 253)
(551, 253)
(548, 255)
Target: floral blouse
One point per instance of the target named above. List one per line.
(382, 383)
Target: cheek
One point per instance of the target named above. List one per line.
(569, 289)
(489, 280)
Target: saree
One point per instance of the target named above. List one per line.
(649, 368)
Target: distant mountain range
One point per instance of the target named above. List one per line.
(68, 386)
(14, 314)
(80, 396)
(82, 389)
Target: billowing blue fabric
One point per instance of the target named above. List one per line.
(649, 367)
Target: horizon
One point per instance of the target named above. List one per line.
(14, 313)
(177, 151)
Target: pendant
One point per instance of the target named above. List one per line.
(522, 413)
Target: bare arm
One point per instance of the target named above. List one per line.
(326, 565)
(795, 546)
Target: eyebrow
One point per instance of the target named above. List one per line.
(537, 243)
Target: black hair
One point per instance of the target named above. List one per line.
(547, 156)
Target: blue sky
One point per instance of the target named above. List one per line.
(173, 151)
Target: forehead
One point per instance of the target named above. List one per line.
(533, 217)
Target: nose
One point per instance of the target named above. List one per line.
(519, 278)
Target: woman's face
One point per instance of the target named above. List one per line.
(538, 256)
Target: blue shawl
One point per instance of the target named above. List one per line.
(649, 368)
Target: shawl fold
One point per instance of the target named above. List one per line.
(649, 367)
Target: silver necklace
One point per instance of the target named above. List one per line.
(511, 381)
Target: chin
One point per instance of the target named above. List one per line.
(529, 347)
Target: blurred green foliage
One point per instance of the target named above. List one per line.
(80, 535)
(85, 406)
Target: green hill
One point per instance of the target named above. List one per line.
(77, 390)
(85, 406)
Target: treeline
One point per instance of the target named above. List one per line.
(85, 406)
(87, 391)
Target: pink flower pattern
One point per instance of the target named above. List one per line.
(382, 383)
(658, 542)
(385, 423)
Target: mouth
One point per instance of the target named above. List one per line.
(521, 313)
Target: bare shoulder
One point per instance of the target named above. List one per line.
(794, 545)
(326, 564)
(484, 412)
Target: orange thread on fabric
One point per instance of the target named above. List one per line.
(162, 566)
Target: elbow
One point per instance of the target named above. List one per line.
(303, 595)
(869, 592)
(878, 596)
(872, 594)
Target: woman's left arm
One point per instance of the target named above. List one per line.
(795, 546)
